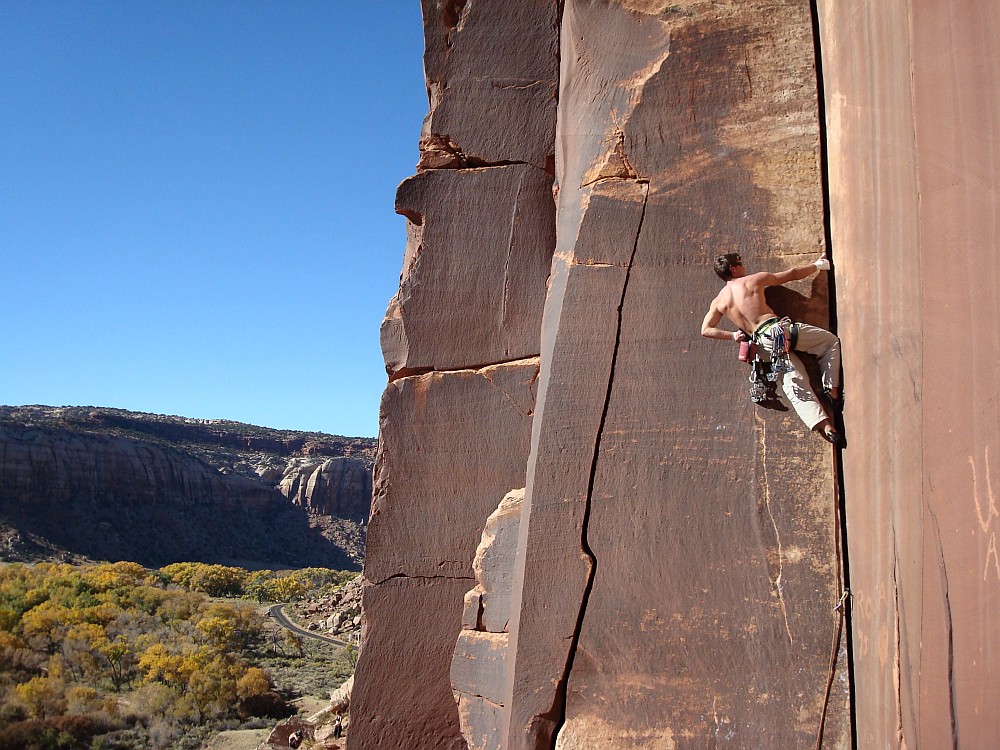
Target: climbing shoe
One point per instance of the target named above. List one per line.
(832, 436)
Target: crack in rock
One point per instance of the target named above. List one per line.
(949, 624)
(408, 576)
(439, 151)
(516, 84)
(510, 250)
(562, 687)
(453, 15)
(897, 665)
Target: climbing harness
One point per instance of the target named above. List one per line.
(763, 328)
(783, 334)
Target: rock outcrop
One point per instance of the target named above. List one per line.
(333, 487)
(477, 672)
(680, 578)
(281, 737)
(114, 485)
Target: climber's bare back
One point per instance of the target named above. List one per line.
(742, 301)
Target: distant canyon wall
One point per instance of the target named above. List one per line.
(112, 497)
(675, 574)
(339, 486)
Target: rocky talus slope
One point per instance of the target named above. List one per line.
(337, 614)
(688, 569)
(107, 484)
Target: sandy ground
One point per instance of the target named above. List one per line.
(240, 739)
(308, 706)
(249, 739)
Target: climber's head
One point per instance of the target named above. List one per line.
(729, 266)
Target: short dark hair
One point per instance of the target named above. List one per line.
(724, 265)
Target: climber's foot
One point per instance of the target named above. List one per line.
(831, 435)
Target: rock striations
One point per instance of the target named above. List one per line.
(114, 485)
(675, 575)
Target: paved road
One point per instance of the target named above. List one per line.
(275, 610)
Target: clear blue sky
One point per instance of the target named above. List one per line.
(196, 204)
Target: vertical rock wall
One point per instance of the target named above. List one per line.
(914, 132)
(339, 486)
(678, 557)
(461, 347)
(677, 564)
(677, 561)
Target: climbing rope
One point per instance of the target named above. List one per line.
(841, 612)
(837, 631)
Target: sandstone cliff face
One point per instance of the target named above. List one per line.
(679, 575)
(333, 487)
(914, 133)
(678, 570)
(461, 346)
(107, 484)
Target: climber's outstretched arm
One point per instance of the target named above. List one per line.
(797, 273)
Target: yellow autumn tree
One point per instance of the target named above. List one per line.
(287, 588)
(253, 682)
(42, 696)
(214, 580)
(213, 685)
(230, 627)
(115, 575)
(118, 658)
(158, 664)
(45, 625)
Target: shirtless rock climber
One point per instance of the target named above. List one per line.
(742, 302)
